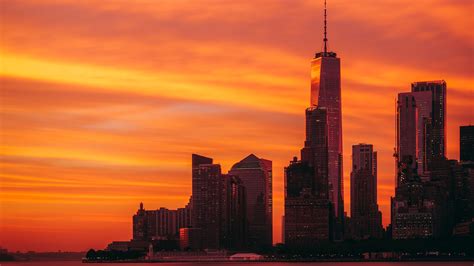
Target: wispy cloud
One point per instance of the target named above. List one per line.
(102, 102)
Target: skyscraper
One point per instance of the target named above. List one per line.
(256, 176)
(424, 106)
(326, 93)
(308, 219)
(436, 142)
(308, 211)
(464, 182)
(314, 207)
(466, 140)
(421, 127)
(406, 135)
(365, 215)
(422, 206)
(315, 151)
(235, 215)
(207, 189)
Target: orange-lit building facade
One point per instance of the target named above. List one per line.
(326, 93)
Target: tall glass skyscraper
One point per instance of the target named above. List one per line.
(435, 133)
(314, 206)
(421, 127)
(422, 199)
(326, 93)
(424, 108)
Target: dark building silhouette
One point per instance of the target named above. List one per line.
(466, 139)
(326, 93)
(406, 135)
(190, 239)
(235, 214)
(283, 229)
(208, 187)
(432, 207)
(219, 207)
(421, 127)
(451, 186)
(184, 215)
(366, 219)
(308, 218)
(429, 198)
(139, 224)
(256, 176)
(166, 223)
(412, 213)
(315, 151)
(161, 224)
(308, 210)
(465, 185)
(348, 228)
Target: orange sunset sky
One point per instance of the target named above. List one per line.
(103, 102)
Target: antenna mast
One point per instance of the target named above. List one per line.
(325, 30)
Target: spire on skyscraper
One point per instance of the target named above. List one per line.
(325, 29)
(325, 52)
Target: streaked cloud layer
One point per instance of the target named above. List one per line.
(102, 102)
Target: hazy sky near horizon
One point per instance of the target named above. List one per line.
(103, 102)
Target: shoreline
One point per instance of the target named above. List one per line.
(287, 261)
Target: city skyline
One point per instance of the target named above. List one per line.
(129, 139)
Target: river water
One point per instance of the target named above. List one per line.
(78, 263)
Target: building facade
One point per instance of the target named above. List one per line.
(413, 215)
(308, 218)
(406, 135)
(421, 127)
(235, 225)
(309, 215)
(436, 129)
(256, 176)
(139, 221)
(423, 206)
(326, 93)
(366, 219)
(184, 215)
(424, 109)
(161, 224)
(190, 239)
(466, 143)
(208, 187)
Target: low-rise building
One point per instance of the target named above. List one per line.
(190, 239)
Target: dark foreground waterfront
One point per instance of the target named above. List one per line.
(78, 263)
